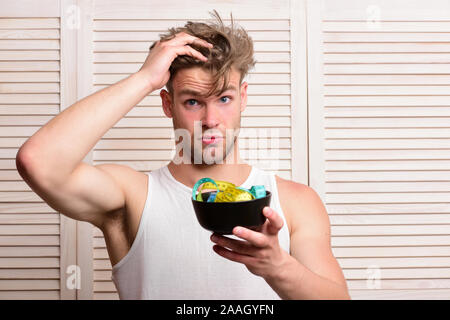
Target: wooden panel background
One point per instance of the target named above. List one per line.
(370, 133)
(383, 71)
(30, 246)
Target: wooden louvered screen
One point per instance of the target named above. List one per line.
(29, 97)
(383, 68)
(143, 139)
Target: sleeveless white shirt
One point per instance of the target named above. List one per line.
(172, 256)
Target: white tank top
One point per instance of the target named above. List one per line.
(172, 256)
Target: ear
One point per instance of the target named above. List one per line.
(243, 92)
(166, 102)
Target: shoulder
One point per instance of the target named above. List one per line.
(302, 207)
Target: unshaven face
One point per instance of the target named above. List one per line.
(212, 122)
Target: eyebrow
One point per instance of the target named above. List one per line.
(191, 92)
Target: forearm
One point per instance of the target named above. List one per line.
(296, 282)
(59, 146)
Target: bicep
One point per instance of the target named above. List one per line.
(90, 193)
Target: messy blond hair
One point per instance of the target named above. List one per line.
(233, 47)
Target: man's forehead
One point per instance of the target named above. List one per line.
(199, 82)
(203, 93)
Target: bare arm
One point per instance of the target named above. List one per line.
(311, 271)
(51, 160)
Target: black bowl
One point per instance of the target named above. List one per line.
(222, 217)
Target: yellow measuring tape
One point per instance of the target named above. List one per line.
(226, 191)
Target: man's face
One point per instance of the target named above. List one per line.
(215, 117)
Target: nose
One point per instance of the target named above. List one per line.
(210, 117)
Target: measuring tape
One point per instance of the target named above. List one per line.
(226, 191)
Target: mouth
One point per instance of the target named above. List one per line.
(211, 139)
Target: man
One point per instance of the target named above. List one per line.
(156, 247)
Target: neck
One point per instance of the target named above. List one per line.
(235, 172)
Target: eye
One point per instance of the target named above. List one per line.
(225, 99)
(191, 102)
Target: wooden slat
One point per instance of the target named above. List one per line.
(377, 36)
(29, 240)
(42, 229)
(339, 90)
(29, 23)
(383, 208)
(395, 154)
(387, 79)
(377, 101)
(154, 35)
(353, 187)
(415, 10)
(164, 24)
(386, 241)
(29, 88)
(385, 26)
(392, 111)
(387, 133)
(25, 197)
(416, 294)
(104, 286)
(28, 218)
(388, 144)
(29, 273)
(29, 34)
(385, 230)
(396, 262)
(406, 175)
(400, 284)
(402, 273)
(405, 197)
(123, 46)
(102, 275)
(29, 263)
(182, 10)
(382, 58)
(391, 219)
(391, 47)
(386, 68)
(20, 208)
(426, 251)
(15, 251)
(122, 57)
(40, 76)
(19, 284)
(106, 296)
(42, 44)
(30, 295)
(32, 98)
(26, 55)
(29, 110)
